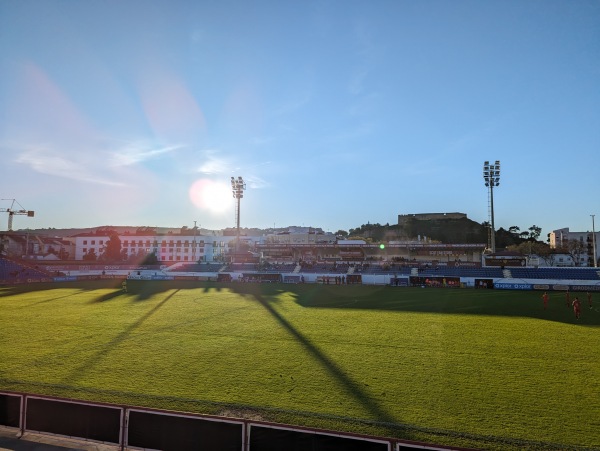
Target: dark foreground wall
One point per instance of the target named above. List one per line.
(172, 431)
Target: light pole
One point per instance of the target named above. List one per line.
(237, 186)
(491, 176)
(594, 241)
(194, 244)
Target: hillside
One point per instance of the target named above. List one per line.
(448, 231)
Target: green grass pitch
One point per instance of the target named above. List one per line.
(483, 368)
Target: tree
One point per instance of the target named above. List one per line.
(112, 251)
(150, 259)
(535, 232)
(90, 256)
(574, 249)
(545, 252)
(341, 233)
(514, 230)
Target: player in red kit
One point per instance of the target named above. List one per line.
(576, 307)
(545, 299)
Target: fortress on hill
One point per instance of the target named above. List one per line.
(429, 216)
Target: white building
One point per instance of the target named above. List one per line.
(561, 237)
(301, 235)
(169, 248)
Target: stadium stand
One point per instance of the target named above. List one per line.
(12, 271)
(556, 273)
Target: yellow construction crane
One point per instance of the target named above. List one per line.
(12, 211)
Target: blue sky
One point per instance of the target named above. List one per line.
(336, 113)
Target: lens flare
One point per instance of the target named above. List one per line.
(215, 197)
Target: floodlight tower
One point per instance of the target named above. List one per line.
(237, 186)
(491, 176)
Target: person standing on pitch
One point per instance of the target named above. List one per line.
(545, 299)
(589, 296)
(576, 307)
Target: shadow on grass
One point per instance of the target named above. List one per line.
(451, 301)
(106, 348)
(353, 389)
(507, 303)
(45, 301)
(108, 296)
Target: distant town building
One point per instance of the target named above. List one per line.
(300, 235)
(561, 239)
(168, 248)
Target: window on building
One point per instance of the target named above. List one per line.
(85, 242)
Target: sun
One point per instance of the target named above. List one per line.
(209, 195)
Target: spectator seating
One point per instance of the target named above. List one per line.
(556, 273)
(12, 271)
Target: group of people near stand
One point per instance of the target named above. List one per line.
(575, 303)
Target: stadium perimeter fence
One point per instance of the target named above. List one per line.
(127, 427)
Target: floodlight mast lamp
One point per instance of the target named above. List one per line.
(491, 176)
(237, 186)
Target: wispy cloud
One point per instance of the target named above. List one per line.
(214, 164)
(133, 154)
(47, 161)
(256, 182)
